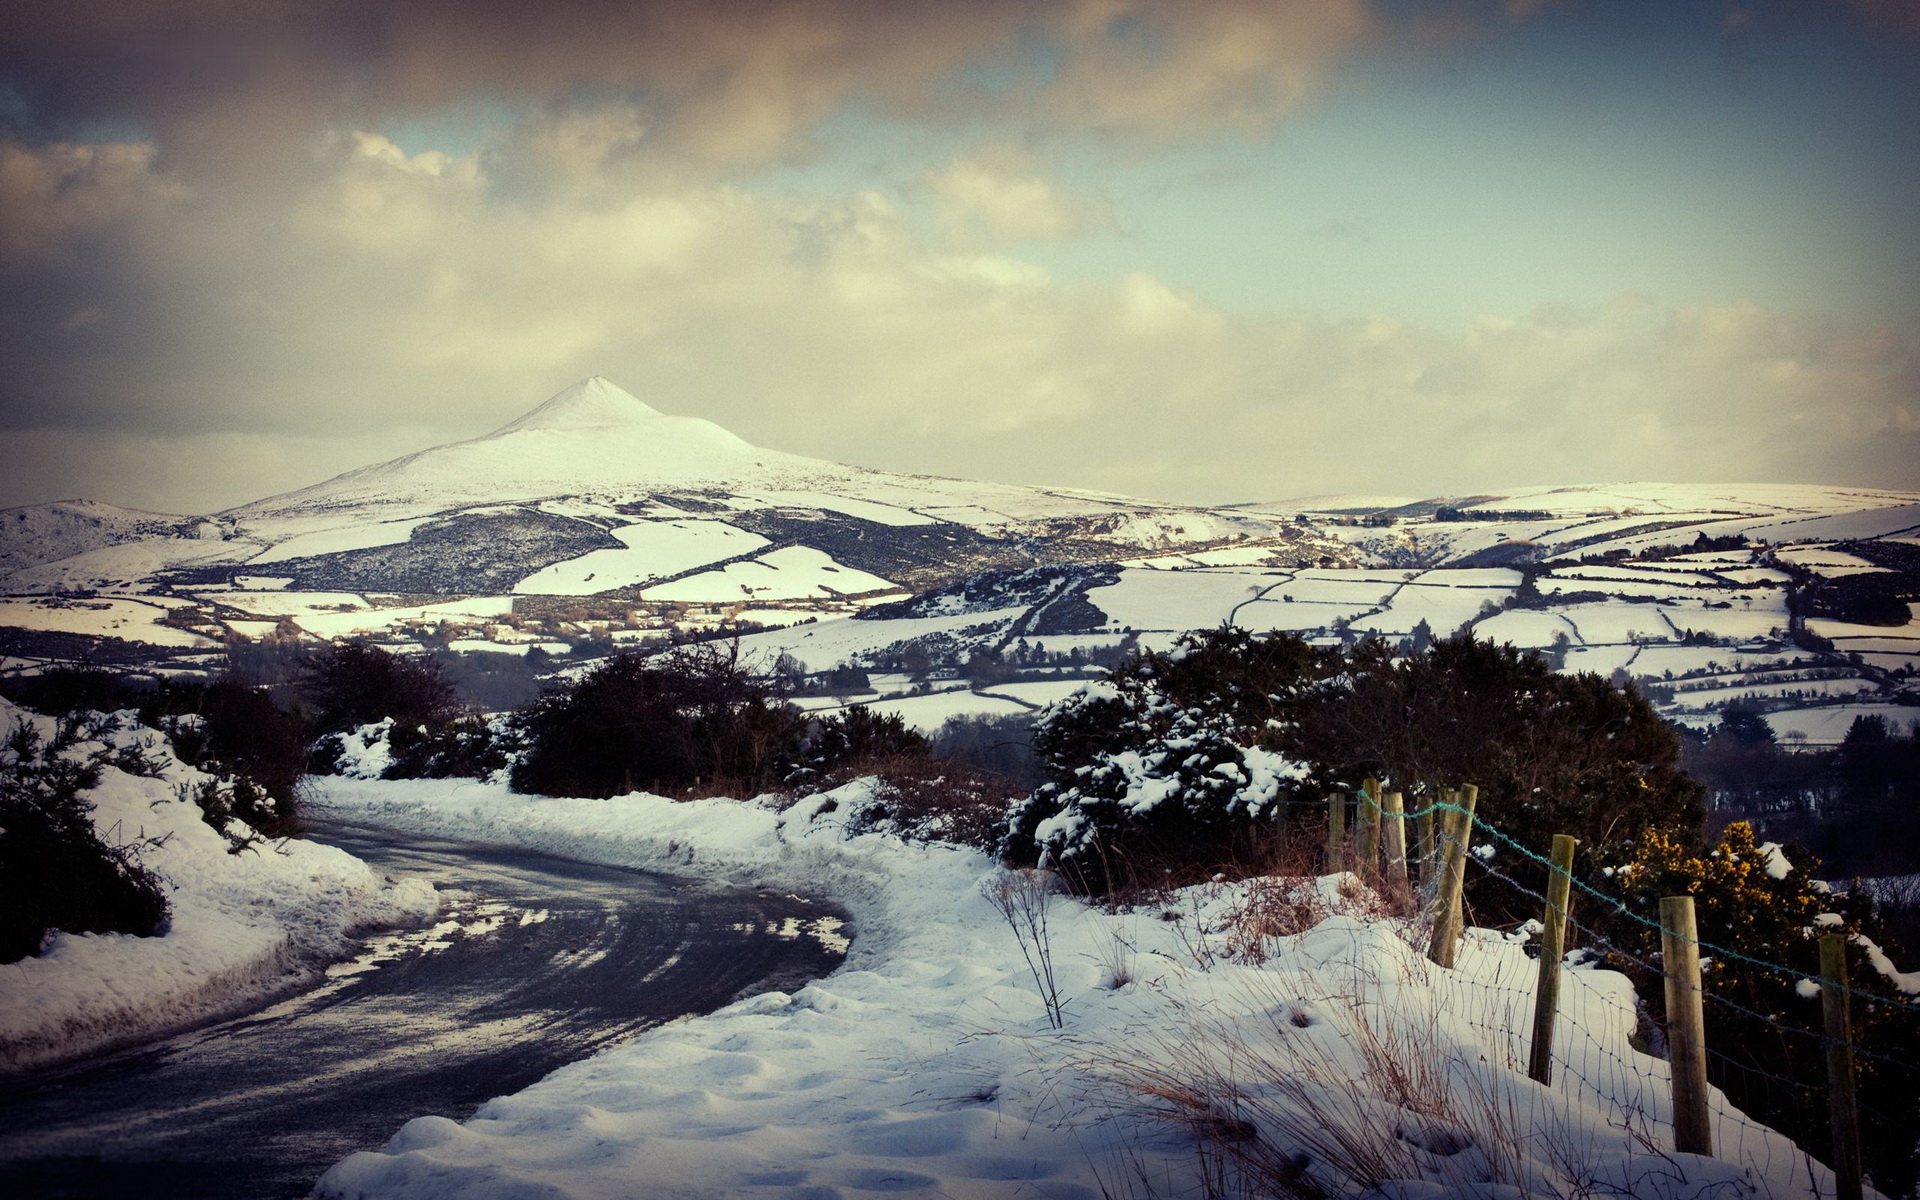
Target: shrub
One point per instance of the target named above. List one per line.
(355, 684)
(229, 729)
(55, 872)
(1180, 763)
(998, 744)
(1762, 902)
(1160, 771)
(923, 799)
(224, 727)
(839, 745)
(695, 719)
(1550, 753)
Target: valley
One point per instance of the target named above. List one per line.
(595, 523)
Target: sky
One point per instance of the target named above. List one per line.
(1213, 251)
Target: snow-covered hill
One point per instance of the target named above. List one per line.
(595, 520)
(595, 492)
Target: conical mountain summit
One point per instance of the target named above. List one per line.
(591, 438)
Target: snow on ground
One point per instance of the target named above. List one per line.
(827, 644)
(289, 604)
(649, 550)
(790, 573)
(1524, 628)
(1232, 556)
(134, 620)
(1442, 606)
(851, 506)
(1682, 660)
(338, 540)
(346, 624)
(1619, 621)
(1825, 560)
(1705, 697)
(1177, 600)
(486, 646)
(1843, 629)
(1827, 725)
(927, 713)
(129, 565)
(244, 925)
(1668, 589)
(1262, 615)
(927, 1064)
(1748, 619)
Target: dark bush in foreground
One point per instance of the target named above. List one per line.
(229, 729)
(924, 799)
(55, 872)
(1170, 770)
(692, 720)
(224, 727)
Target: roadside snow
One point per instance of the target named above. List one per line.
(927, 1065)
(245, 926)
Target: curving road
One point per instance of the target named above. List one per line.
(538, 962)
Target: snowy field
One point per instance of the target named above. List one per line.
(134, 620)
(245, 925)
(649, 550)
(928, 1064)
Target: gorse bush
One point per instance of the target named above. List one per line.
(55, 872)
(1763, 903)
(353, 684)
(1179, 763)
(223, 726)
(428, 732)
(692, 719)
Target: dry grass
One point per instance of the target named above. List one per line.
(1330, 1090)
(1024, 896)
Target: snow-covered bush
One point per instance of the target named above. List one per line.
(55, 871)
(1168, 771)
(466, 747)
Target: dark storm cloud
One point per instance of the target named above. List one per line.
(735, 81)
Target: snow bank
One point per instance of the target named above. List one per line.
(245, 925)
(927, 1064)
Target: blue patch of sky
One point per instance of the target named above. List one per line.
(1573, 158)
(457, 129)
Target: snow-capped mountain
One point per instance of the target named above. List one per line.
(595, 492)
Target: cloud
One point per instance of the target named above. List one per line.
(992, 196)
(189, 347)
(258, 287)
(228, 84)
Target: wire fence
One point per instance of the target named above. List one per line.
(1611, 1054)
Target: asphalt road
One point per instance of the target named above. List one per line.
(538, 962)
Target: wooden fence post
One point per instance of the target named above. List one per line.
(1369, 802)
(1336, 832)
(1394, 835)
(1448, 915)
(1686, 1025)
(1424, 826)
(1553, 945)
(1840, 1094)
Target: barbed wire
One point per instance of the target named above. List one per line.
(1816, 1035)
(1619, 905)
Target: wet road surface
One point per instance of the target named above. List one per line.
(537, 962)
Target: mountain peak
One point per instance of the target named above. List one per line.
(595, 403)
